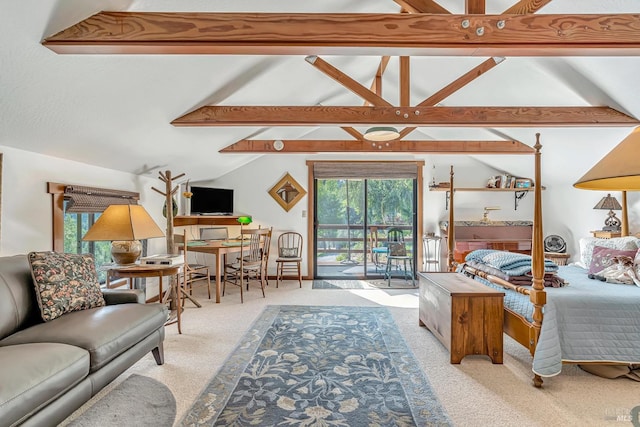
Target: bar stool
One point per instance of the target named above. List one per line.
(431, 245)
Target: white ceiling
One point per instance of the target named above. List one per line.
(115, 111)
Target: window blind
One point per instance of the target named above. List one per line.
(365, 169)
(92, 199)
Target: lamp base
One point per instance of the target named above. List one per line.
(125, 252)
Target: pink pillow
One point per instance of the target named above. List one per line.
(603, 257)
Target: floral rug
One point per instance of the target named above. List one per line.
(319, 366)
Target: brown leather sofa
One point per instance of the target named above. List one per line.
(49, 369)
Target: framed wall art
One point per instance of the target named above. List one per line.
(287, 192)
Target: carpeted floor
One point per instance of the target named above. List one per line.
(314, 365)
(474, 393)
(137, 401)
(363, 284)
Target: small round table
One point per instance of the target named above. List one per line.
(135, 271)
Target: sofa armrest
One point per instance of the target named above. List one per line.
(123, 296)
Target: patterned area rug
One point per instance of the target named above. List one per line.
(364, 284)
(319, 366)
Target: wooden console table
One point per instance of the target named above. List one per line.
(466, 316)
(181, 220)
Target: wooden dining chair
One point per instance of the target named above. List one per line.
(397, 251)
(193, 271)
(289, 256)
(249, 265)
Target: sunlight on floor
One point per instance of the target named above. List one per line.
(402, 298)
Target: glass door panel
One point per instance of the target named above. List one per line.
(352, 218)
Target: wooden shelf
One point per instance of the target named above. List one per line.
(518, 192)
(481, 189)
(181, 220)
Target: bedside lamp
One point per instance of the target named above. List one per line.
(124, 225)
(611, 223)
(619, 170)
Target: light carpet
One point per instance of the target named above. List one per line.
(363, 284)
(474, 393)
(314, 365)
(137, 401)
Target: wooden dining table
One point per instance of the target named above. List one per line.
(219, 248)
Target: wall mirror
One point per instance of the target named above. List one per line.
(287, 192)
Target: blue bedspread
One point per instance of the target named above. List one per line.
(586, 321)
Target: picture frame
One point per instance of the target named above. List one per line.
(287, 192)
(523, 183)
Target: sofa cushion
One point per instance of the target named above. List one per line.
(105, 332)
(64, 283)
(32, 375)
(18, 305)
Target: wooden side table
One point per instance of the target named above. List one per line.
(466, 316)
(138, 271)
(558, 258)
(601, 234)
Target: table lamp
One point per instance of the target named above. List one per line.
(244, 220)
(619, 170)
(124, 225)
(611, 223)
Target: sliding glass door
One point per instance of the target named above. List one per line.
(352, 217)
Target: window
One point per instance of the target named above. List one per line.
(75, 210)
(75, 226)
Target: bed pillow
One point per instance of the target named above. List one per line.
(64, 283)
(603, 257)
(588, 243)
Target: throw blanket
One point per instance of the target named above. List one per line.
(512, 267)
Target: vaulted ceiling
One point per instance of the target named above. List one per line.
(204, 87)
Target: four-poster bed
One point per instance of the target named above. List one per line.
(607, 311)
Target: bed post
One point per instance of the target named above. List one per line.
(451, 243)
(538, 296)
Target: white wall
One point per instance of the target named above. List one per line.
(567, 211)
(26, 205)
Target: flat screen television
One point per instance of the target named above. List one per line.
(211, 201)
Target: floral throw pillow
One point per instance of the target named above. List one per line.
(64, 283)
(603, 257)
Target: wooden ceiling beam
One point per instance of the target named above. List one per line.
(422, 6)
(405, 81)
(474, 7)
(351, 34)
(418, 116)
(347, 81)
(338, 146)
(526, 6)
(454, 86)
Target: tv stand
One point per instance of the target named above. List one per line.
(200, 219)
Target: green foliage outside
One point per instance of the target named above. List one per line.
(75, 226)
(341, 202)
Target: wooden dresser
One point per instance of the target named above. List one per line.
(466, 316)
(512, 236)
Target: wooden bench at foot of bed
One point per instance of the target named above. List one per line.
(466, 316)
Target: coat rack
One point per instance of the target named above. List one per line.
(169, 193)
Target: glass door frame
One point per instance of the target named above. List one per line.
(311, 221)
(366, 231)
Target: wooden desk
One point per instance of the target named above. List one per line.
(219, 248)
(136, 271)
(466, 316)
